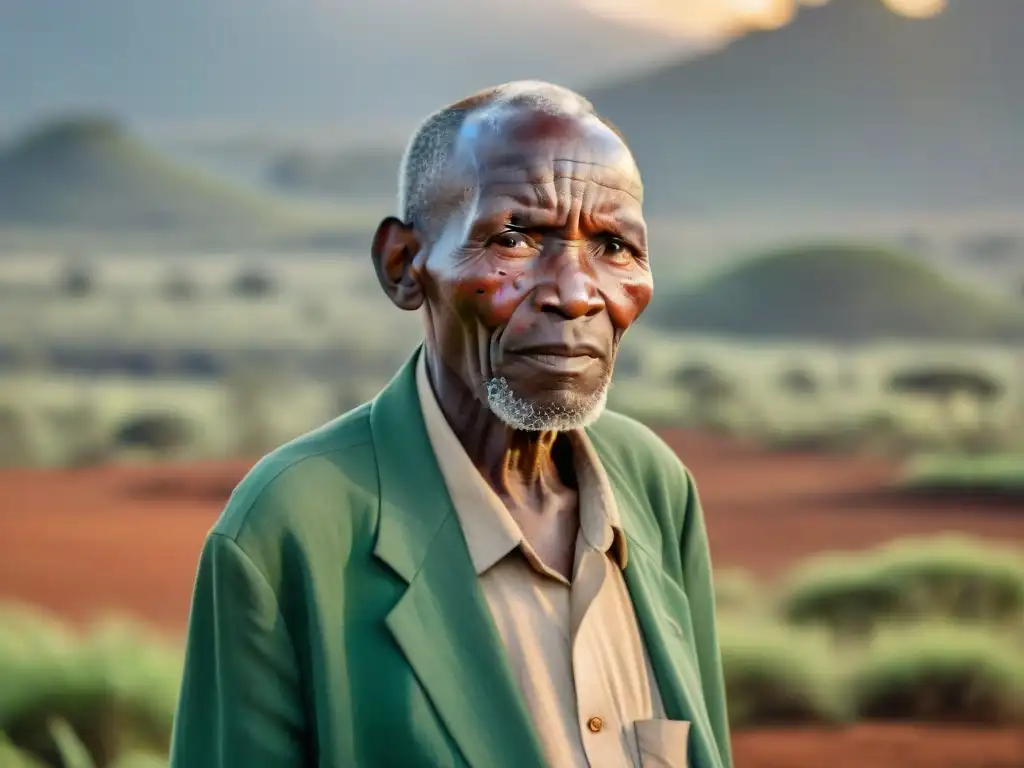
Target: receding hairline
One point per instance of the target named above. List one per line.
(429, 155)
(495, 104)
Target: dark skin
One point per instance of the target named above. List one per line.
(534, 278)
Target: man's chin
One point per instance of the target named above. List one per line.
(559, 410)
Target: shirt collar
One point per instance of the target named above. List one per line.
(488, 527)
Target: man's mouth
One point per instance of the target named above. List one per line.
(561, 359)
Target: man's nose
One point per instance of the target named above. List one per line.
(568, 286)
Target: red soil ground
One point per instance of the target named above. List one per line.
(880, 746)
(126, 539)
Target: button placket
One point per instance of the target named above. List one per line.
(597, 715)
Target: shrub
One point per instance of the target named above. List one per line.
(140, 760)
(254, 283)
(776, 676)
(74, 754)
(70, 749)
(798, 381)
(159, 433)
(940, 672)
(115, 686)
(840, 593)
(879, 432)
(954, 577)
(950, 577)
(822, 437)
(1002, 474)
(735, 589)
(15, 439)
(180, 286)
(77, 279)
(12, 757)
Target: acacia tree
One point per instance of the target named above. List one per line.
(254, 283)
(161, 433)
(799, 381)
(77, 279)
(707, 387)
(944, 384)
(180, 286)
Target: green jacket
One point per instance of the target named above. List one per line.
(337, 620)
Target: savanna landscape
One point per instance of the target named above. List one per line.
(835, 349)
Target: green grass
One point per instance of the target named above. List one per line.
(13, 757)
(115, 685)
(71, 752)
(1003, 474)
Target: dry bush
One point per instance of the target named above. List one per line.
(913, 579)
(941, 673)
(15, 439)
(736, 590)
(989, 475)
(776, 676)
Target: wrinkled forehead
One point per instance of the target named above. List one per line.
(509, 144)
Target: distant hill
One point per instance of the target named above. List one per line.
(90, 174)
(838, 293)
(850, 106)
(359, 174)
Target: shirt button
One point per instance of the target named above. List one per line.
(595, 724)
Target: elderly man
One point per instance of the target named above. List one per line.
(480, 567)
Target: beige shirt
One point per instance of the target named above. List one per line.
(574, 647)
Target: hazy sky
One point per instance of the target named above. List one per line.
(231, 63)
(341, 66)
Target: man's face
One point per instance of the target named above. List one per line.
(532, 283)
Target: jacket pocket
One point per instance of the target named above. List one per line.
(662, 743)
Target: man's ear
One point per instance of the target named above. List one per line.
(394, 250)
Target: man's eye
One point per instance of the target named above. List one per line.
(512, 240)
(618, 251)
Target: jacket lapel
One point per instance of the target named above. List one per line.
(669, 641)
(442, 622)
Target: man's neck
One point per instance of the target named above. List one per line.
(520, 466)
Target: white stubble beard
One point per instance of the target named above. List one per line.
(521, 414)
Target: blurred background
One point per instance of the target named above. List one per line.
(835, 193)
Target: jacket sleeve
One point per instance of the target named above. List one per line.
(700, 593)
(241, 703)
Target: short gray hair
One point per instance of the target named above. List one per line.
(428, 155)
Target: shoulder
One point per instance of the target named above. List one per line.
(320, 484)
(636, 451)
(657, 496)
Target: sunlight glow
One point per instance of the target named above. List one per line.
(917, 9)
(694, 19)
(764, 14)
(718, 20)
(697, 19)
